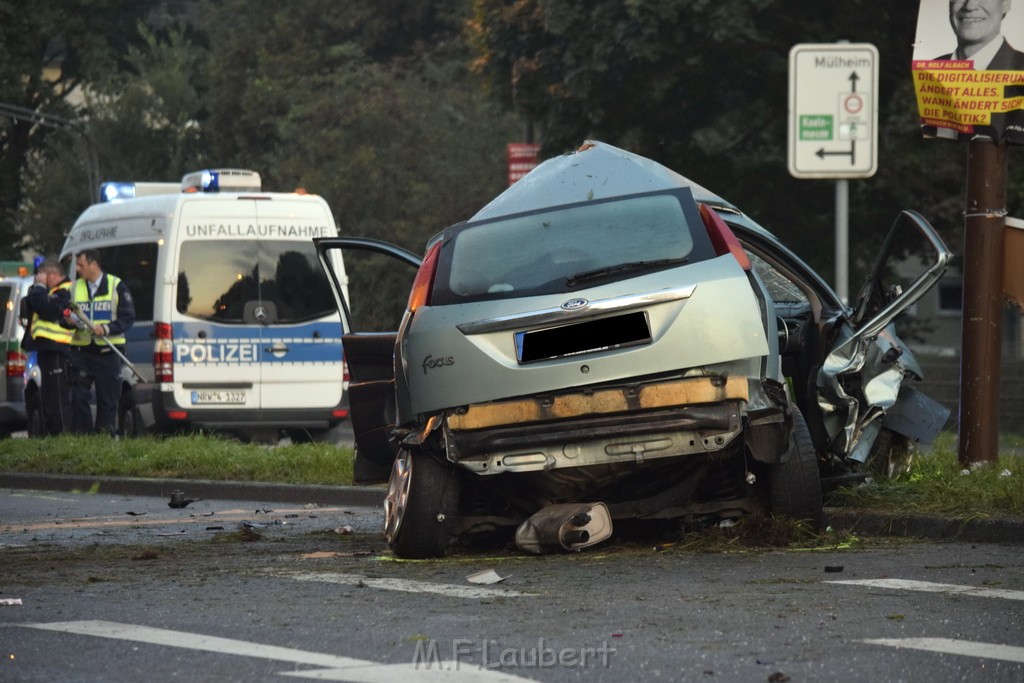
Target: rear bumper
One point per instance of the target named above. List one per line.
(616, 425)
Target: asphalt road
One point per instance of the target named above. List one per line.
(124, 588)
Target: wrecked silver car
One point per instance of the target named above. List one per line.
(607, 340)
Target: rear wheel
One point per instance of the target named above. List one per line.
(128, 416)
(795, 484)
(34, 416)
(421, 505)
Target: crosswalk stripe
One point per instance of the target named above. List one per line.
(929, 587)
(337, 668)
(1007, 653)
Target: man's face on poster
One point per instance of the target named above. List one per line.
(976, 22)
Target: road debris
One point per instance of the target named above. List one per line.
(344, 530)
(485, 577)
(7, 602)
(178, 499)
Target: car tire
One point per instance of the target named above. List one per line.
(34, 423)
(794, 489)
(421, 505)
(128, 424)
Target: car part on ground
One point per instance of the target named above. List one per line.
(565, 527)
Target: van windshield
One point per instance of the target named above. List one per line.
(235, 281)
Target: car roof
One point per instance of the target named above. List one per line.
(595, 171)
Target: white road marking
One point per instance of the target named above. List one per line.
(340, 668)
(195, 641)
(929, 587)
(404, 585)
(1007, 653)
(448, 672)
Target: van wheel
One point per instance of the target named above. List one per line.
(128, 421)
(34, 417)
(794, 487)
(421, 505)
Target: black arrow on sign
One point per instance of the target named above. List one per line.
(822, 153)
(853, 81)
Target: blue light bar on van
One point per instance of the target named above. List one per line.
(118, 192)
(222, 180)
(114, 192)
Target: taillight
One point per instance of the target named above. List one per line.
(722, 238)
(420, 295)
(163, 353)
(15, 363)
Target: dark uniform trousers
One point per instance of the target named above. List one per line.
(99, 365)
(54, 368)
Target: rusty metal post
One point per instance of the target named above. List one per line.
(982, 329)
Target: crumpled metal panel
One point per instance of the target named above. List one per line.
(882, 364)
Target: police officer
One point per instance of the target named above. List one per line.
(46, 302)
(108, 312)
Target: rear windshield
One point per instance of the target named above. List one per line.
(569, 247)
(231, 281)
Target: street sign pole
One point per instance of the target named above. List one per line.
(833, 126)
(843, 240)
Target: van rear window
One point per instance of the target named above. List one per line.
(235, 281)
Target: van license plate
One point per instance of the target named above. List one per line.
(214, 397)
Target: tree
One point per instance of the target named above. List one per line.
(397, 135)
(142, 122)
(47, 50)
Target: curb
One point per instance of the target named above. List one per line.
(930, 527)
(359, 496)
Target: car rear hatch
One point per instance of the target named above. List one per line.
(579, 294)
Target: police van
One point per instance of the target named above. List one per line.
(236, 325)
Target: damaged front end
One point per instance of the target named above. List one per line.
(861, 385)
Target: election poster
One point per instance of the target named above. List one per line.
(968, 69)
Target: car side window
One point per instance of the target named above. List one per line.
(781, 288)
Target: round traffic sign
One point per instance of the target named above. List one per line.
(853, 103)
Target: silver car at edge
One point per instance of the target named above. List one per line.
(610, 339)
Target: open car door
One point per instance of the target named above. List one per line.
(912, 260)
(371, 280)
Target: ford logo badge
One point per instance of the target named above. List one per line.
(574, 304)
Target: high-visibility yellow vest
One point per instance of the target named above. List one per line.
(101, 309)
(45, 329)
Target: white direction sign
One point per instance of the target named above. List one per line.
(833, 110)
